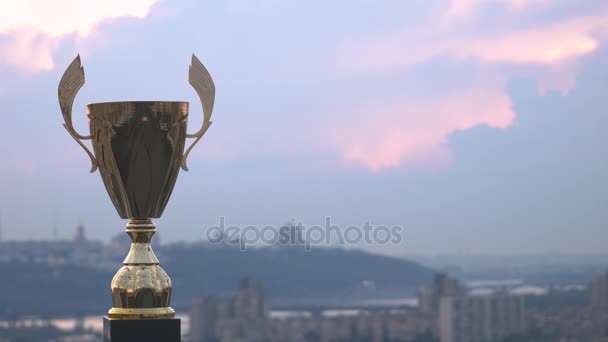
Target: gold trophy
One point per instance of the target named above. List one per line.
(139, 148)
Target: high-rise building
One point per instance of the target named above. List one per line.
(242, 317)
(251, 302)
(205, 315)
(480, 318)
(443, 285)
(599, 291)
(427, 300)
(80, 236)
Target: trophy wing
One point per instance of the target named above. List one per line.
(200, 79)
(71, 81)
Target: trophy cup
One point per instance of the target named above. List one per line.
(138, 148)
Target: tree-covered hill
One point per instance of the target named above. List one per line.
(290, 275)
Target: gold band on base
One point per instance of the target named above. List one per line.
(148, 313)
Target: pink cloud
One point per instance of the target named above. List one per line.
(541, 45)
(545, 45)
(37, 25)
(29, 51)
(466, 8)
(406, 130)
(557, 76)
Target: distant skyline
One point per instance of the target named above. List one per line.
(477, 125)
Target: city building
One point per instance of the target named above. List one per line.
(246, 317)
(250, 302)
(427, 301)
(571, 324)
(360, 326)
(78, 251)
(481, 318)
(443, 285)
(599, 291)
(240, 318)
(205, 315)
(80, 237)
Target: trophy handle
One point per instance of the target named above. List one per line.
(201, 81)
(71, 81)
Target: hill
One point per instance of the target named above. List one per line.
(293, 275)
(290, 276)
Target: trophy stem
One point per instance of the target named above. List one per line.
(141, 289)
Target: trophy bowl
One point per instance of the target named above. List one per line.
(138, 147)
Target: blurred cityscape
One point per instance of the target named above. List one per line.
(51, 300)
(446, 312)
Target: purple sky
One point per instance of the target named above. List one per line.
(478, 125)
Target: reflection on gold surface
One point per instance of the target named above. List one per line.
(141, 288)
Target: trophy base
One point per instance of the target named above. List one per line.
(141, 289)
(141, 330)
(144, 314)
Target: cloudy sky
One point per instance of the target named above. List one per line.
(478, 125)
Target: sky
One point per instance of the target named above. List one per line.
(477, 125)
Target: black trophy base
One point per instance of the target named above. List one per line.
(141, 330)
